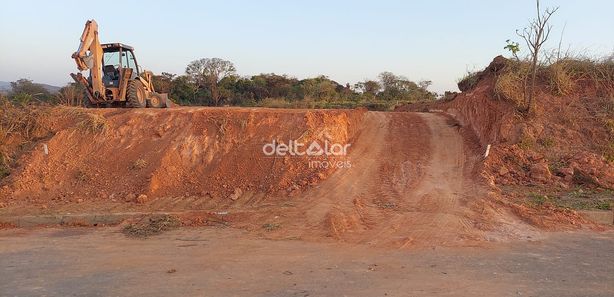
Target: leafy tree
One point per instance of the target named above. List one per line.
(208, 72)
(214, 82)
(425, 84)
(319, 88)
(402, 89)
(24, 90)
(184, 90)
(370, 88)
(163, 82)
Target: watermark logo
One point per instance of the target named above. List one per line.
(330, 164)
(297, 148)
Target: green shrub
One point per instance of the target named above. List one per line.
(469, 81)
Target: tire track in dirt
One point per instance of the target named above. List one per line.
(411, 183)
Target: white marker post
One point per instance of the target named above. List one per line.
(487, 151)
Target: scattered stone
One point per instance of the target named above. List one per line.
(503, 171)
(540, 172)
(142, 199)
(237, 193)
(130, 197)
(567, 173)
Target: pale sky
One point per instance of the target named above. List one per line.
(347, 41)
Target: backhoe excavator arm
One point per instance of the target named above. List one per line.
(89, 56)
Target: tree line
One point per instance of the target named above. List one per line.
(215, 82)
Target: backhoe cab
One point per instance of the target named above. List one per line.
(115, 78)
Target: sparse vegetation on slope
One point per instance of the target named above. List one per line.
(19, 128)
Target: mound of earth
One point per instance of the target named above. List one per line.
(123, 154)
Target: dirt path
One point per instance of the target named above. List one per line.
(411, 183)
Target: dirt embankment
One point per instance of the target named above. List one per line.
(562, 145)
(120, 155)
(409, 179)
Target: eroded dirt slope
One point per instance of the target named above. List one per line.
(173, 154)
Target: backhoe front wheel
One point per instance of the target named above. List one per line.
(136, 96)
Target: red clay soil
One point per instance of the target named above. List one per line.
(414, 178)
(178, 152)
(560, 146)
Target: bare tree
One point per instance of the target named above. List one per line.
(535, 35)
(208, 73)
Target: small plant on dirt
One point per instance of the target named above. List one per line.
(139, 164)
(150, 226)
(271, 226)
(609, 126)
(513, 47)
(581, 178)
(537, 199)
(4, 171)
(526, 143)
(579, 192)
(604, 205)
(556, 166)
(81, 176)
(546, 142)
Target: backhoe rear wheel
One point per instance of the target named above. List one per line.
(136, 96)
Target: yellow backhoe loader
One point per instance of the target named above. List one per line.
(115, 78)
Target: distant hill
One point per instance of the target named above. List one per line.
(50, 88)
(5, 87)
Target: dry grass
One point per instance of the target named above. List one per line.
(560, 81)
(510, 84)
(89, 121)
(70, 95)
(271, 226)
(19, 126)
(468, 81)
(153, 225)
(139, 164)
(560, 78)
(596, 72)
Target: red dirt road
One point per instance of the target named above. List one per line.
(413, 181)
